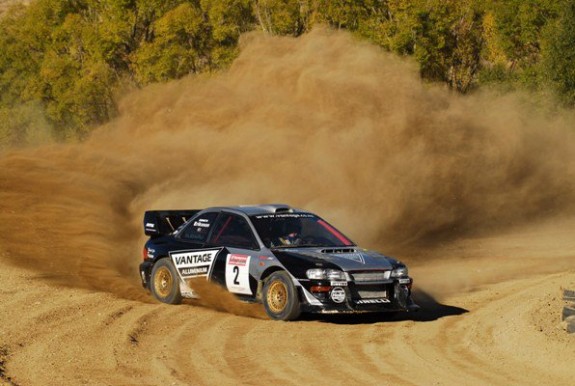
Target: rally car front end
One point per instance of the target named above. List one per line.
(337, 291)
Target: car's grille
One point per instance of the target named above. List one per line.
(366, 277)
(372, 294)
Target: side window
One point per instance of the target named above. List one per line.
(233, 231)
(199, 228)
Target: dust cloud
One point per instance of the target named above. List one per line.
(323, 122)
(217, 298)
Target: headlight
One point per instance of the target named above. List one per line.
(399, 272)
(325, 274)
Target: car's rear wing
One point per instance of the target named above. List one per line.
(162, 222)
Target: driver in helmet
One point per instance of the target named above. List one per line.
(290, 233)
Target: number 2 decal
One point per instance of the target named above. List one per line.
(238, 274)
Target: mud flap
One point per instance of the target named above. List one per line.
(402, 296)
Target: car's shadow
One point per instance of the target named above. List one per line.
(430, 310)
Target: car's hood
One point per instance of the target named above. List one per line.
(347, 259)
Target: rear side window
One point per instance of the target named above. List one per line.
(199, 228)
(233, 231)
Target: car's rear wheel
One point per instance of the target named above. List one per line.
(165, 283)
(280, 297)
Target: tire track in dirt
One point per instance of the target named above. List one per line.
(295, 353)
(98, 339)
(497, 342)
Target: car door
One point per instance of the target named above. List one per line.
(232, 266)
(188, 253)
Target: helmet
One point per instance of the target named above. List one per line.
(291, 225)
(286, 231)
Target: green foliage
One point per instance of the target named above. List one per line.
(283, 17)
(47, 58)
(24, 124)
(180, 46)
(514, 32)
(393, 25)
(348, 14)
(64, 61)
(74, 78)
(72, 57)
(227, 19)
(559, 53)
(445, 36)
(519, 22)
(23, 42)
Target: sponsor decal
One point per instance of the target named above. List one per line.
(194, 263)
(194, 271)
(202, 223)
(286, 215)
(372, 301)
(239, 260)
(338, 283)
(238, 274)
(193, 258)
(150, 225)
(337, 295)
(404, 281)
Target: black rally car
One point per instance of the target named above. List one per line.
(289, 259)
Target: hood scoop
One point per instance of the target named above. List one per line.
(338, 250)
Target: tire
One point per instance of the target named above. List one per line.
(165, 282)
(280, 297)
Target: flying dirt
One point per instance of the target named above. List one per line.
(324, 122)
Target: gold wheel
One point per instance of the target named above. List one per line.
(277, 296)
(163, 282)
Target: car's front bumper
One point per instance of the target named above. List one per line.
(385, 296)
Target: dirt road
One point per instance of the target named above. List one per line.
(476, 194)
(501, 326)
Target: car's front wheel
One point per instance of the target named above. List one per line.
(280, 297)
(165, 283)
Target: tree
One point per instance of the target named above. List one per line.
(392, 25)
(346, 14)
(449, 42)
(283, 17)
(179, 46)
(559, 53)
(227, 20)
(76, 82)
(513, 41)
(464, 63)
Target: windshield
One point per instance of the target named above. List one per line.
(297, 230)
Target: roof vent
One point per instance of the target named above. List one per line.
(284, 210)
(339, 250)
